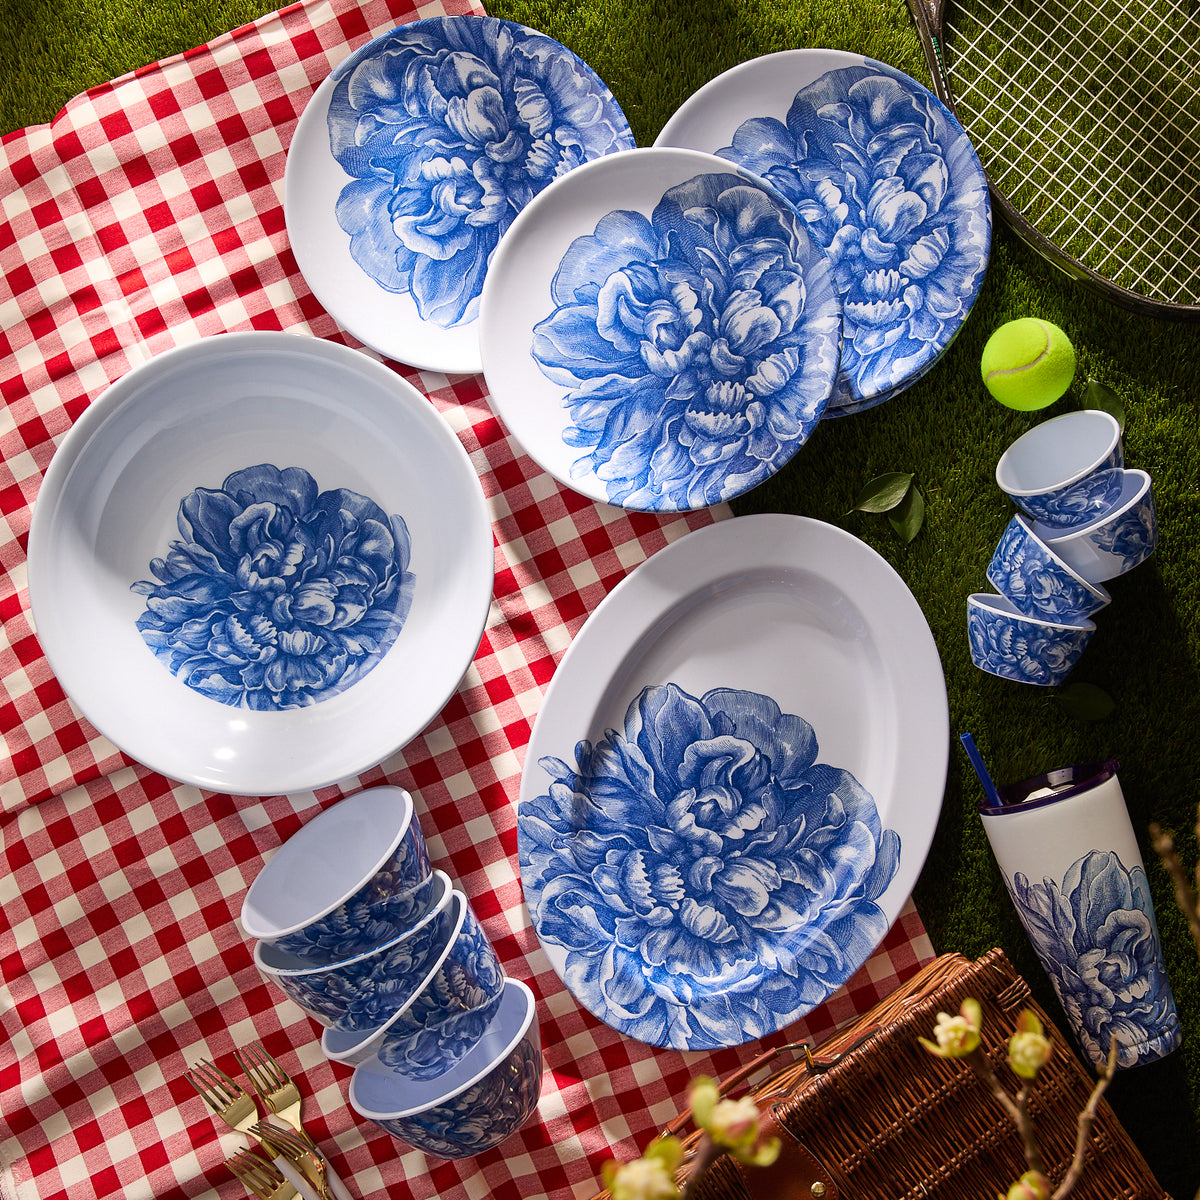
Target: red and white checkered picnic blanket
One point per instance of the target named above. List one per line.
(148, 214)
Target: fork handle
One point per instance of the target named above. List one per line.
(333, 1182)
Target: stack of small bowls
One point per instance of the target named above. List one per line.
(1084, 520)
(352, 924)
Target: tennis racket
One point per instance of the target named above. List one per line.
(1086, 117)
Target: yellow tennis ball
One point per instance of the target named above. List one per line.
(1028, 363)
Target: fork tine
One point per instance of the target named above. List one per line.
(260, 1068)
(215, 1086)
(271, 1069)
(260, 1176)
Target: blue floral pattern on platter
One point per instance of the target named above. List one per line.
(891, 186)
(1024, 570)
(1097, 939)
(447, 1018)
(395, 898)
(362, 994)
(448, 127)
(278, 595)
(483, 1115)
(1078, 504)
(1024, 651)
(700, 345)
(1133, 537)
(707, 879)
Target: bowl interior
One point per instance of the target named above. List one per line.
(142, 485)
(326, 861)
(274, 961)
(376, 1092)
(1057, 452)
(1005, 609)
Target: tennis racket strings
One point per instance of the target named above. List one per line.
(1086, 117)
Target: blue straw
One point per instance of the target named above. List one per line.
(985, 779)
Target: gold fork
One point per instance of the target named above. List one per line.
(274, 1086)
(283, 1143)
(263, 1178)
(229, 1100)
(281, 1096)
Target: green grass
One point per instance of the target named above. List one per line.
(1146, 652)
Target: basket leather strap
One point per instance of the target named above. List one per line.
(797, 1174)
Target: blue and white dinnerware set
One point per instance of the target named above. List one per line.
(354, 925)
(1084, 520)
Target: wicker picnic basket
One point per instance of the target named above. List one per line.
(871, 1115)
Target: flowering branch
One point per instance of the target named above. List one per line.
(727, 1127)
(1028, 1051)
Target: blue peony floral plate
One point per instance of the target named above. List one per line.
(887, 180)
(411, 161)
(733, 782)
(660, 330)
(260, 563)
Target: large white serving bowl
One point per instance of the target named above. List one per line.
(141, 485)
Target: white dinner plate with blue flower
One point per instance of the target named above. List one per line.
(889, 183)
(410, 162)
(260, 563)
(660, 330)
(733, 782)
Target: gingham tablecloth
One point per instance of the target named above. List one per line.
(147, 214)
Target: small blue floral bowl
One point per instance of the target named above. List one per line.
(352, 879)
(1115, 542)
(362, 992)
(1005, 641)
(447, 1016)
(486, 1097)
(1026, 571)
(1065, 471)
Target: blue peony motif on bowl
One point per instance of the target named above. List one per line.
(700, 345)
(278, 595)
(705, 877)
(1097, 939)
(484, 1114)
(1006, 642)
(1037, 581)
(451, 1012)
(890, 185)
(395, 899)
(1078, 504)
(447, 128)
(362, 993)
(1133, 537)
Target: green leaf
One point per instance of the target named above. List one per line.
(909, 515)
(1100, 395)
(883, 493)
(1085, 701)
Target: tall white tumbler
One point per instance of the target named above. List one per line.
(1068, 854)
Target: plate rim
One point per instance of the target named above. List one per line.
(107, 406)
(782, 535)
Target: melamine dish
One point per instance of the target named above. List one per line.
(1005, 641)
(486, 1097)
(363, 992)
(446, 1015)
(1029, 573)
(1062, 472)
(351, 879)
(1115, 542)
(410, 162)
(660, 330)
(260, 562)
(856, 146)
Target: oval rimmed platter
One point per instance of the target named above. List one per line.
(260, 563)
(660, 330)
(733, 781)
(412, 159)
(888, 181)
